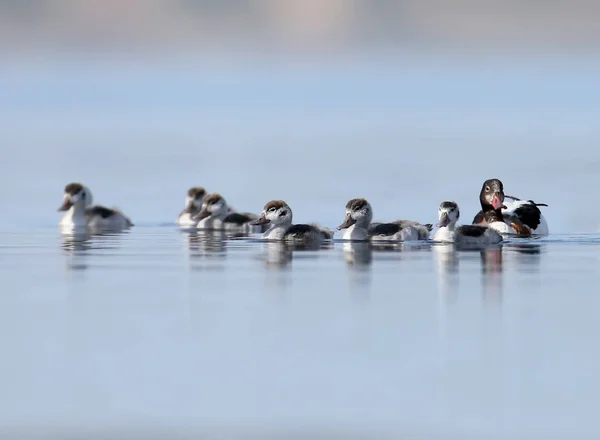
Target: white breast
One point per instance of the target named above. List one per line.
(444, 234)
(71, 220)
(353, 233)
(185, 219)
(275, 233)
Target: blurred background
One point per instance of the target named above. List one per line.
(406, 102)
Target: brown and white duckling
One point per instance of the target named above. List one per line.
(517, 217)
(215, 215)
(193, 205)
(81, 213)
(278, 216)
(448, 232)
(357, 224)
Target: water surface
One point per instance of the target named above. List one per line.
(159, 333)
(157, 329)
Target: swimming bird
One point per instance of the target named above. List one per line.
(448, 215)
(215, 215)
(278, 216)
(357, 224)
(193, 205)
(517, 217)
(80, 212)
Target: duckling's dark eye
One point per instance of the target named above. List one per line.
(487, 188)
(83, 195)
(271, 210)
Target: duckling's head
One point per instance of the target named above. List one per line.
(76, 195)
(448, 214)
(194, 199)
(276, 212)
(213, 205)
(358, 211)
(492, 194)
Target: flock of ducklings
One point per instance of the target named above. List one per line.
(203, 211)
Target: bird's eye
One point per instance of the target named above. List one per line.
(487, 188)
(83, 195)
(271, 210)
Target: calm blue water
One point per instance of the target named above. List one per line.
(169, 334)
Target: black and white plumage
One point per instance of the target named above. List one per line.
(527, 212)
(279, 217)
(449, 232)
(215, 215)
(515, 217)
(358, 226)
(81, 213)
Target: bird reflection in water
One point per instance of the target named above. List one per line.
(447, 260)
(206, 247)
(277, 257)
(400, 249)
(78, 243)
(525, 257)
(76, 240)
(359, 257)
(358, 254)
(520, 256)
(279, 254)
(491, 273)
(202, 244)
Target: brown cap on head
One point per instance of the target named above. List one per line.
(449, 205)
(275, 204)
(213, 198)
(356, 204)
(73, 188)
(196, 191)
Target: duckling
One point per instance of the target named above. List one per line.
(278, 215)
(357, 223)
(215, 215)
(193, 205)
(81, 213)
(449, 214)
